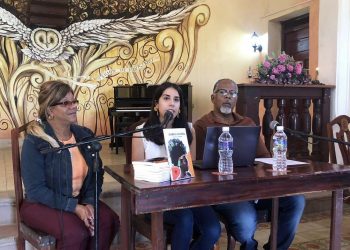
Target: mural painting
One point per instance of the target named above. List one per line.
(93, 56)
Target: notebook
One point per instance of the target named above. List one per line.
(245, 142)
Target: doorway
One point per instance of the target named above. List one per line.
(295, 38)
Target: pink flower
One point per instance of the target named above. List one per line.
(275, 71)
(282, 58)
(298, 68)
(267, 64)
(281, 68)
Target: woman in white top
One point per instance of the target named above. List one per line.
(200, 224)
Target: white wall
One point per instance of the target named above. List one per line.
(341, 93)
(224, 49)
(328, 41)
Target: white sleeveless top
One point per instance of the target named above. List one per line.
(153, 150)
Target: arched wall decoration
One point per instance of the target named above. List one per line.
(18, 7)
(80, 10)
(93, 71)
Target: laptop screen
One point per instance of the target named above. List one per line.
(245, 141)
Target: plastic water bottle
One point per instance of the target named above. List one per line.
(279, 150)
(225, 149)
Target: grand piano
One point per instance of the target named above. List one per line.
(131, 103)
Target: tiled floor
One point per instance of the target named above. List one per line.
(313, 232)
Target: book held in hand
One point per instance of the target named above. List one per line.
(151, 170)
(179, 156)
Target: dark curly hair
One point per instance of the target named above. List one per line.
(177, 149)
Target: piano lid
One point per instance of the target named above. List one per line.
(141, 94)
(138, 90)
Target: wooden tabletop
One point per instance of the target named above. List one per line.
(248, 183)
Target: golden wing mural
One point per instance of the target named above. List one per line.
(108, 56)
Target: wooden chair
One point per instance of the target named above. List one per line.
(128, 140)
(338, 128)
(38, 239)
(342, 123)
(263, 216)
(142, 224)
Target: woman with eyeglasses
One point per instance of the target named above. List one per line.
(59, 185)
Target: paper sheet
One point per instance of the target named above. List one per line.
(289, 162)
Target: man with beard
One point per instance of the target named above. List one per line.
(224, 98)
(242, 216)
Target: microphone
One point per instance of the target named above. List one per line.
(301, 134)
(168, 116)
(106, 137)
(273, 124)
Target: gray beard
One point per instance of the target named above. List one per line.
(225, 110)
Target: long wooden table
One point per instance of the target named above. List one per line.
(249, 183)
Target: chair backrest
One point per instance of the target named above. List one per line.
(338, 128)
(36, 238)
(128, 140)
(16, 163)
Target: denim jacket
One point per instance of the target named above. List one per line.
(47, 177)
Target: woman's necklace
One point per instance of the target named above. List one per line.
(71, 140)
(65, 138)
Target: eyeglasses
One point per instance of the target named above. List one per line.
(66, 103)
(225, 92)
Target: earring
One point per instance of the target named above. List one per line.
(50, 117)
(156, 110)
(178, 114)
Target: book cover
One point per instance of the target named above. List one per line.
(178, 151)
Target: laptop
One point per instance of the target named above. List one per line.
(245, 142)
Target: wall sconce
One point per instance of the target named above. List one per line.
(255, 42)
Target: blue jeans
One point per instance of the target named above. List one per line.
(201, 222)
(242, 220)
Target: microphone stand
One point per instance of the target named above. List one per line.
(95, 148)
(299, 133)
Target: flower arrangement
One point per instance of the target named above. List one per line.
(282, 70)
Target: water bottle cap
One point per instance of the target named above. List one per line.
(280, 128)
(225, 129)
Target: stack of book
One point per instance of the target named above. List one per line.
(151, 171)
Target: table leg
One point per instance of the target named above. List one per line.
(336, 220)
(111, 126)
(157, 231)
(274, 223)
(126, 227)
(116, 131)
